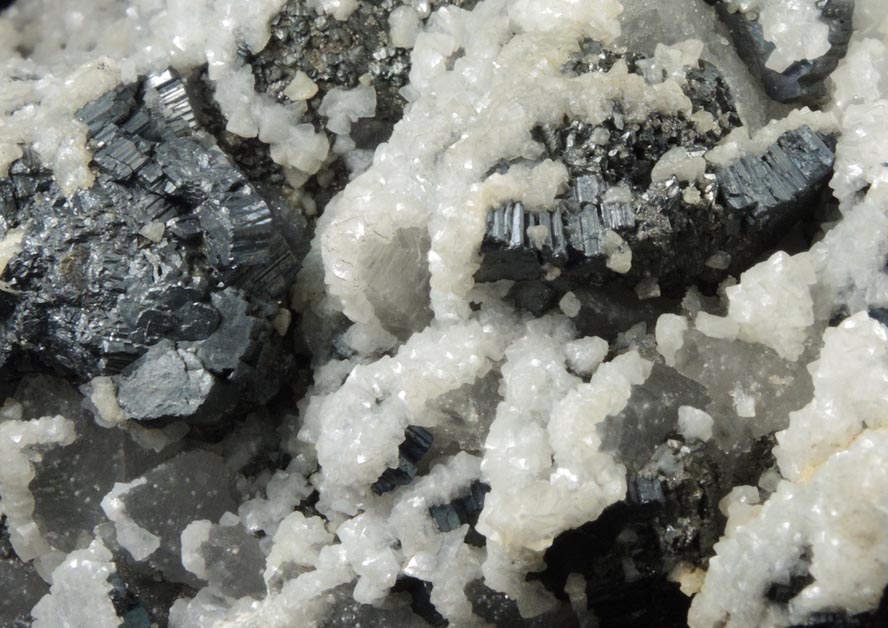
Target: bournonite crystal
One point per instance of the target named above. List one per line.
(673, 224)
(168, 269)
(450, 313)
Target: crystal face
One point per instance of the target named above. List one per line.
(443, 313)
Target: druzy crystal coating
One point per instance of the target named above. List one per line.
(560, 313)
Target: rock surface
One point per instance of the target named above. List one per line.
(443, 313)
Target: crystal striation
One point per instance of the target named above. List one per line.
(171, 265)
(667, 225)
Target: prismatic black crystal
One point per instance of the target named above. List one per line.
(127, 605)
(170, 267)
(461, 510)
(672, 228)
(626, 555)
(417, 442)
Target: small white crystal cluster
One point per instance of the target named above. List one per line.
(55, 59)
(396, 252)
(830, 502)
(833, 452)
(795, 29)
(20, 445)
(648, 24)
(79, 596)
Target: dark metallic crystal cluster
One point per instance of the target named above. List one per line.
(741, 209)
(338, 53)
(168, 270)
(417, 442)
(333, 54)
(461, 510)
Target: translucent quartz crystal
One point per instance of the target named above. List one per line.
(151, 513)
(226, 556)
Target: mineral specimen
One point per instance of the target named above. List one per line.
(450, 516)
(404, 313)
(792, 46)
(642, 201)
(171, 259)
(416, 444)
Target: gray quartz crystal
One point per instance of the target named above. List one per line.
(193, 485)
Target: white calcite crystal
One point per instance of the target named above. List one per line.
(357, 429)
(832, 459)
(847, 377)
(677, 162)
(103, 395)
(671, 61)
(301, 87)
(339, 9)
(297, 542)
(717, 326)
(694, 423)
(283, 492)
(619, 255)
(346, 106)
(773, 305)
(20, 447)
(795, 29)
(833, 513)
(10, 246)
(405, 26)
(570, 305)
(670, 332)
(585, 354)
(535, 468)
(138, 541)
(79, 596)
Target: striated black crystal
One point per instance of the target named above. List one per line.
(417, 442)
(747, 206)
(672, 228)
(461, 510)
(170, 266)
